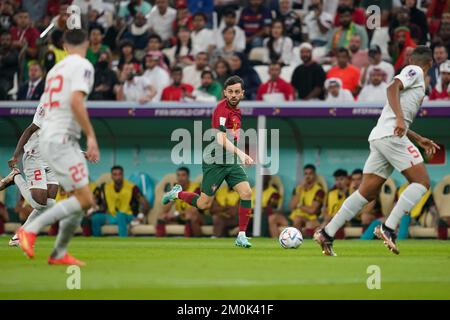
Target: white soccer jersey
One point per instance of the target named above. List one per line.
(411, 98)
(32, 146)
(74, 73)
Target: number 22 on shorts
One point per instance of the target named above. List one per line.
(77, 172)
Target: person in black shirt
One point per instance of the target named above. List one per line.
(308, 79)
(105, 80)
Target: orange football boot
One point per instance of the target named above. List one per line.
(26, 242)
(66, 260)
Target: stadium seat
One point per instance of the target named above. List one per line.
(162, 187)
(257, 54)
(110, 230)
(207, 230)
(175, 230)
(441, 195)
(352, 232)
(263, 72)
(143, 230)
(387, 196)
(286, 73)
(422, 232)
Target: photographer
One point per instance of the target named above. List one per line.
(133, 87)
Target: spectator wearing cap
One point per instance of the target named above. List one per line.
(358, 14)
(34, 87)
(133, 87)
(209, 90)
(192, 74)
(95, 44)
(440, 55)
(341, 36)
(178, 90)
(131, 8)
(127, 54)
(336, 93)
(291, 21)
(155, 73)
(181, 53)
(241, 67)
(255, 20)
(309, 77)
(360, 57)
(202, 37)
(375, 61)
(348, 73)
(278, 46)
(138, 32)
(317, 24)
(230, 21)
(276, 89)
(441, 90)
(24, 35)
(161, 19)
(376, 89)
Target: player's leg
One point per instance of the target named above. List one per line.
(244, 211)
(298, 222)
(194, 219)
(276, 221)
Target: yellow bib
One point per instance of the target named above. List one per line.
(59, 53)
(417, 210)
(180, 205)
(334, 201)
(226, 197)
(306, 198)
(119, 201)
(266, 195)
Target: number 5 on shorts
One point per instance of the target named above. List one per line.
(413, 150)
(77, 172)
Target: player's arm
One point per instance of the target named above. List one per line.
(27, 133)
(230, 147)
(393, 96)
(81, 116)
(314, 208)
(428, 145)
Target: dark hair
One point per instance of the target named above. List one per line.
(422, 54)
(22, 10)
(439, 45)
(273, 55)
(310, 166)
(176, 69)
(178, 45)
(230, 12)
(343, 50)
(126, 43)
(205, 72)
(228, 28)
(233, 80)
(75, 37)
(344, 9)
(340, 173)
(357, 171)
(200, 14)
(185, 169)
(98, 27)
(56, 36)
(275, 63)
(155, 36)
(116, 167)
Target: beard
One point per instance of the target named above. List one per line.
(233, 103)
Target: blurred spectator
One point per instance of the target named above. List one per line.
(209, 88)
(224, 211)
(309, 77)
(434, 14)
(376, 89)
(276, 89)
(278, 47)
(255, 21)
(440, 55)
(55, 51)
(192, 74)
(306, 202)
(402, 41)
(4, 217)
(222, 70)
(402, 19)
(336, 197)
(155, 44)
(184, 213)
(88, 5)
(291, 21)
(181, 53)
(347, 28)
(202, 37)
(205, 6)
(335, 92)
(105, 79)
(122, 204)
(24, 35)
(224, 6)
(36, 9)
(60, 21)
(419, 18)
(348, 73)
(6, 14)
(127, 55)
(177, 90)
(375, 61)
(138, 32)
(114, 32)
(96, 47)
(230, 20)
(358, 14)
(22, 209)
(443, 34)
(155, 73)
(34, 87)
(241, 67)
(317, 24)
(360, 58)
(183, 18)
(134, 87)
(228, 48)
(161, 19)
(131, 8)
(9, 62)
(441, 90)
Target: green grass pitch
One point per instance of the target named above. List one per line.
(178, 268)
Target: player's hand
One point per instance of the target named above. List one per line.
(92, 153)
(13, 162)
(400, 127)
(246, 159)
(428, 145)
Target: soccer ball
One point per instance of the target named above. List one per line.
(290, 238)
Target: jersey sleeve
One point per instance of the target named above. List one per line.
(83, 78)
(220, 118)
(410, 76)
(39, 115)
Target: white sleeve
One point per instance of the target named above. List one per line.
(409, 76)
(39, 115)
(82, 78)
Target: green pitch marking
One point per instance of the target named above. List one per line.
(177, 268)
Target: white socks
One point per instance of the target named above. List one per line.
(56, 213)
(67, 227)
(408, 199)
(351, 206)
(241, 234)
(35, 213)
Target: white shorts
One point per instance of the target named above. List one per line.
(391, 152)
(67, 163)
(37, 172)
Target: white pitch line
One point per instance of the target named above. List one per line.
(50, 27)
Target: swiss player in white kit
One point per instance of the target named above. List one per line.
(41, 185)
(391, 148)
(67, 85)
